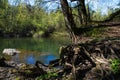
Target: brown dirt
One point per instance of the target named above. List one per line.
(113, 31)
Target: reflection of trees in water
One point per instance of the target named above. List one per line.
(31, 58)
(28, 57)
(29, 44)
(34, 47)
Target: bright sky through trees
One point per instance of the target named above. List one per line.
(102, 5)
(13, 2)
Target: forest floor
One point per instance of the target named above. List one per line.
(102, 50)
(113, 31)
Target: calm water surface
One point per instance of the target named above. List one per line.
(34, 49)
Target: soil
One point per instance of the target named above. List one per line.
(113, 31)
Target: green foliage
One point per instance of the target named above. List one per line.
(115, 65)
(47, 76)
(97, 15)
(24, 20)
(95, 32)
(3, 4)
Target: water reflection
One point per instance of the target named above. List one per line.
(46, 58)
(30, 59)
(34, 49)
(43, 58)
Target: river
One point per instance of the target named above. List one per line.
(34, 49)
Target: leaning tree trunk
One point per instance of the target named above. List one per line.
(82, 12)
(69, 20)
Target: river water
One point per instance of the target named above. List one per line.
(34, 49)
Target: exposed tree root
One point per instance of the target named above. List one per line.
(87, 59)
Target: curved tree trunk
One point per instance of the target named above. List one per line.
(84, 16)
(69, 21)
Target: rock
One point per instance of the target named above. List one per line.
(12, 63)
(10, 51)
(5, 74)
(29, 71)
(20, 71)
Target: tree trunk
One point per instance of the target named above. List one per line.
(69, 20)
(82, 12)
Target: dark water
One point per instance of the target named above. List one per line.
(34, 49)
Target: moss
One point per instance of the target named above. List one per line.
(7, 57)
(17, 78)
(28, 71)
(115, 65)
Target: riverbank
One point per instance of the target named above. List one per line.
(100, 51)
(13, 71)
(85, 61)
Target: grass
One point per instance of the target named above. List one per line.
(47, 76)
(95, 32)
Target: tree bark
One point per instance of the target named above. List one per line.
(84, 16)
(69, 20)
(82, 12)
